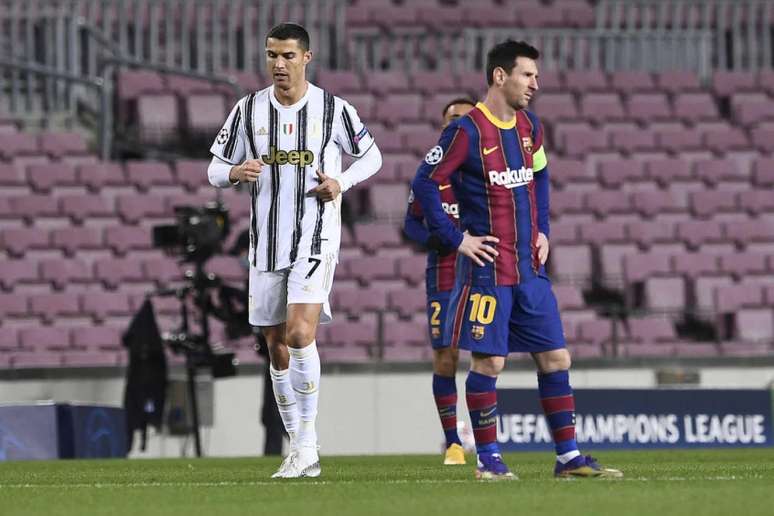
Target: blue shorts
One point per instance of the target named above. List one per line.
(521, 318)
(437, 305)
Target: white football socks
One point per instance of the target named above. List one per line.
(567, 457)
(286, 401)
(305, 379)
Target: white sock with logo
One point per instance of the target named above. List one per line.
(305, 379)
(286, 401)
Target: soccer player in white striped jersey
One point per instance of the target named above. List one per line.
(286, 141)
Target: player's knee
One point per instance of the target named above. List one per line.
(299, 336)
(558, 360)
(444, 362)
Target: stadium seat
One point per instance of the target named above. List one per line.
(763, 172)
(355, 301)
(599, 232)
(399, 109)
(756, 202)
(676, 137)
(407, 301)
(44, 177)
(677, 81)
(412, 268)
(388, 200)
(585, 81)
(639, 267)
(115, 272)
(369, 268)
(706, 204)
(629, 82)
(693, 265)
(19, 241)
(157, 117)
(577, 139)
(132, 83)
(134, 208)
(554, 107)
(411, 332)
(187, 87)
(601, 107)
(9, 339)
(162, 270)
(98, 175)
(695, 107)
(726, 82)
(33, 207)
(665, 294)
(649, 107)
(611, 262)
(87, 206)
(748, 109)
(340, 82)
(72, 239)
(731, 298)
(18, 144)
(695, 233)
(122, 239)
(205, 113)
(386, 82)
(61, 273)
(60, 144)
(755, 324)
(50, 306)
(571, 262)
(146, 174)
(763, 137)
(651, 330)
(101, 304)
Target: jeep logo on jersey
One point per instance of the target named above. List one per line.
(511, 178)
(452, 209)
(294, 157)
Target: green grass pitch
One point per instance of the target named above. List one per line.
(684, 482)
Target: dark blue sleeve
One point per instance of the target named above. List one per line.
(414, 224)
(542, 195)
(439, 164)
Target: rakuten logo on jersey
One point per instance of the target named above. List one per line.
(451, 209)
(511, 178)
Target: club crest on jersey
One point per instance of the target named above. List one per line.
(477, 332)
(526, 142)
(223, 136)
(287, 129)
(434, 156)
(511, 178)
(262, 131)
(294, 157)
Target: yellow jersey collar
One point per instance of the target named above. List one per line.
(496, 121)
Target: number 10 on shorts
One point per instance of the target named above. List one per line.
(482, 308)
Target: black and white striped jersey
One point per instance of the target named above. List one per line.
(293, 142)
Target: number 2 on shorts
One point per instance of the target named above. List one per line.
(316, 263)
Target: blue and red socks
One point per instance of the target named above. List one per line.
(445, 393)
(559, 407)
(481, 396)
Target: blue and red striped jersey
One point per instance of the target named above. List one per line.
(499, 175)
(440, 263)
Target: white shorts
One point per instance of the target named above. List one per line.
(308, 280)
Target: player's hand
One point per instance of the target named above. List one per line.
(476, 248)
(542, 248)
(247, 172)
(327, 190)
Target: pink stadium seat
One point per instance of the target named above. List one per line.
(98, 175)
(399, 108)
(585, 81)
(766, 81)
(676, 137)
(14, 272)
(86, 206)
(650, 204)
(715, 171)
(601, 107)
(571, 262)
(755, 324)
(757, 202)
(228, 268)
(628, 137)
(434, 104)
(667, 171)
(420, 139)
(615, 173)
(355, 301)
(407, 302)
(745, 349)
(722, 137)
(639, 267)
(763, 172)
(350, 355)
(60, 144)
(696, 232)
(187, 86)
(667, 294)
(478, 17)
(13, 305)
(711, 202)
(122, 239)
(600, 232)
(44, 177)
(596, 331)
(605, 203)
(693, 265)
(364, 104)
(651, 330)
(550, 81)
(100, 305)
(578, 139)
(32, 207)
(647, 107)
(677, 81)
(162, 270)
(348, 333)
(555, 106)
(743, 264)
(61, 273)
(43, 338)
(18, 144)
(564, 171)
(389, 141)
(695, 107)
(750, 108)
(730, 298)
(114, 272)
(646, 233)
(726, 82)
(9, 339)
(569, 297)
(146, 174)
(567, 201)
(18, 241)
(386, 82)
(340, 82)
(565, 233)
(763, 137)
(632, 81)
(744, 232)
(388, 200)
(50, 306)
(12, 176)
(132, 83)
(369, 268)
(157, 117)
(90, 359)
(399, 332)
(72, 239)
(412, 268)
(134, 208)
(611, 261)
(205, 113)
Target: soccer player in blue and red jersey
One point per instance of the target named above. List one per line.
(502, 300)
(439, 283)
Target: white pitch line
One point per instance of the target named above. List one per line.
(114, 485)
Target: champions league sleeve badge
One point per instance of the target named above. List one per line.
(434, 156)
(222, 136)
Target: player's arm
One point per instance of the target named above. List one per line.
(228, 165)
(439, 164)
(415, 228)
(542, 192)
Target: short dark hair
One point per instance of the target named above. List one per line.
(503, 55)
(290, 31)
(460, 100)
